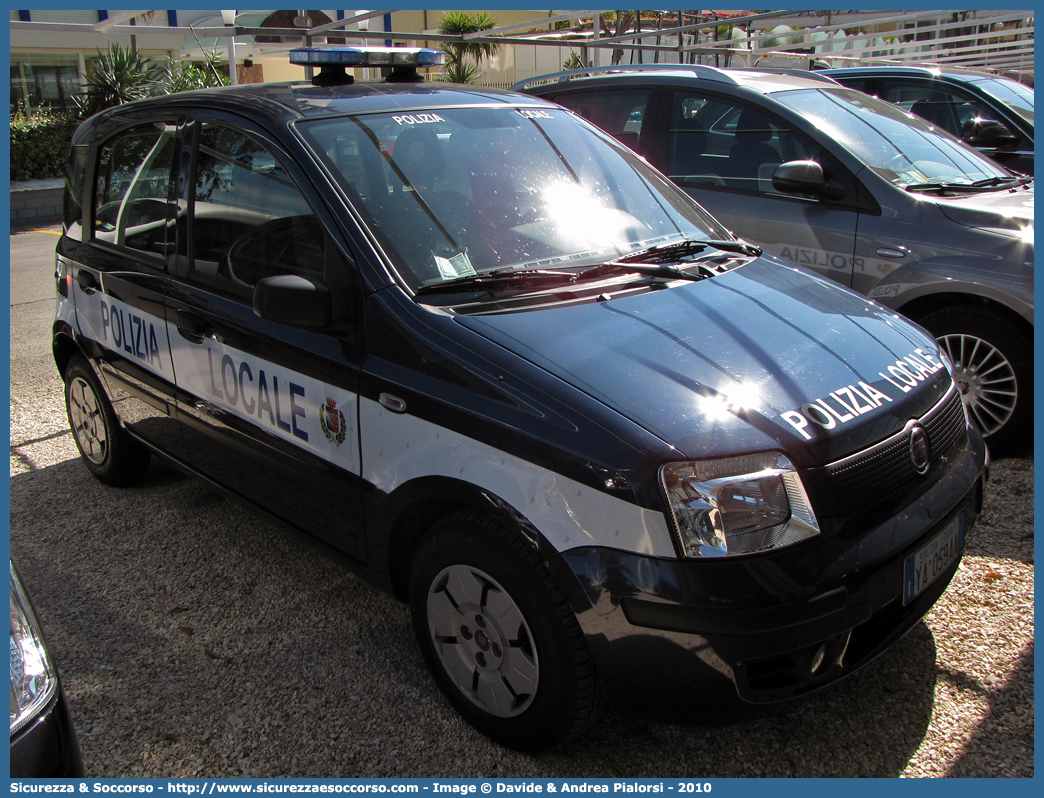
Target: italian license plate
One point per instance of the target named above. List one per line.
(924, 565)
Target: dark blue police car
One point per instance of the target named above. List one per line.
(511, 374)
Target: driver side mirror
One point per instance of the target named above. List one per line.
(805, 177)
(293, 299)
(980, 132)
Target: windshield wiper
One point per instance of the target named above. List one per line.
(1008, 182)
(621, 267)
(523, 278)
(672, 252)
(989, 184)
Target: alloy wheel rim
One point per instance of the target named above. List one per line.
(88, 425)
(483, 641)
(986, 380)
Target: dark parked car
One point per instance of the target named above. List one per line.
(990, 112)
(43, 740)
(510, 373)
(853, 188)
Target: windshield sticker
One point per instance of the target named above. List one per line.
(418, 119)
(842, 405)
(530, 114)
(457, 266)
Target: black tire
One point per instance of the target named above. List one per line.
(993, 363)
(507, 632)
(107, 450)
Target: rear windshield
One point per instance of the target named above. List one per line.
(460, 191)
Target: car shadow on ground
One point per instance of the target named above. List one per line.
(185, 629)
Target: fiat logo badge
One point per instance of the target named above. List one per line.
(920, 454)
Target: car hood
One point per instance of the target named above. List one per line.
(766, 356)
(1005, 212)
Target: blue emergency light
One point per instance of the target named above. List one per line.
(334, 61)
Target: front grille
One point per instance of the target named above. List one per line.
(865, 477)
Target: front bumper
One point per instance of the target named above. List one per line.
(717, 639)
(48, 746)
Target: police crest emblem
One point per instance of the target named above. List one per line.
(332, 422)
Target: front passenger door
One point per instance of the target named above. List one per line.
(722, 153)
(269, 409)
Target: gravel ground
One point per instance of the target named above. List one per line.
(196, 641)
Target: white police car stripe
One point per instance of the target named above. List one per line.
(138, 336)
(290, 405)
(397, 448)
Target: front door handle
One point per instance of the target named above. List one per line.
(191, 327)
(892, 252)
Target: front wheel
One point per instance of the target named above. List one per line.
(107, 450)
(498, 637)
(993, 368)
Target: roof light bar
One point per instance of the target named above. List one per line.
(333, 61)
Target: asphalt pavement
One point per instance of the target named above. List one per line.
(196, 641)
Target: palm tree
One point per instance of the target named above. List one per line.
(459, 54)
(117, 77)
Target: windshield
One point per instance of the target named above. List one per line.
(1016, 95)
(901, 148)
(455, 192)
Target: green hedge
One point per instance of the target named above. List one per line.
(40, 145)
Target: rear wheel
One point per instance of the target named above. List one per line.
(993, 368)
(498, 637)
(107, 450)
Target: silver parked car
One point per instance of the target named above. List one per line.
(990, 112)
(851, 187)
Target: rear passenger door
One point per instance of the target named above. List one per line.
(619, 112)
(120, 275)
(269, 409)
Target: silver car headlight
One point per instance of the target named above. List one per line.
(737, 505)
(34, 680)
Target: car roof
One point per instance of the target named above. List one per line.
(929, 71)
(276, 103)
(765, 80)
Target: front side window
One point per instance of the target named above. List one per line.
(460, 191)
(906, 151)
(942, 106)
(249, 219)
(714, 141)
(132, 181)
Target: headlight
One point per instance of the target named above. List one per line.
(737, 505)
(33, 678)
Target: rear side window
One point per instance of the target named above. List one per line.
(72, 209)
(131, 188)
(249, 219)
(618, 112)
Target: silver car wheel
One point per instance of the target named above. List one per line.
(985, 378)
(88, 423)
(482, 640)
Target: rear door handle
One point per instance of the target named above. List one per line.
(87, 281)
(191, 327)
